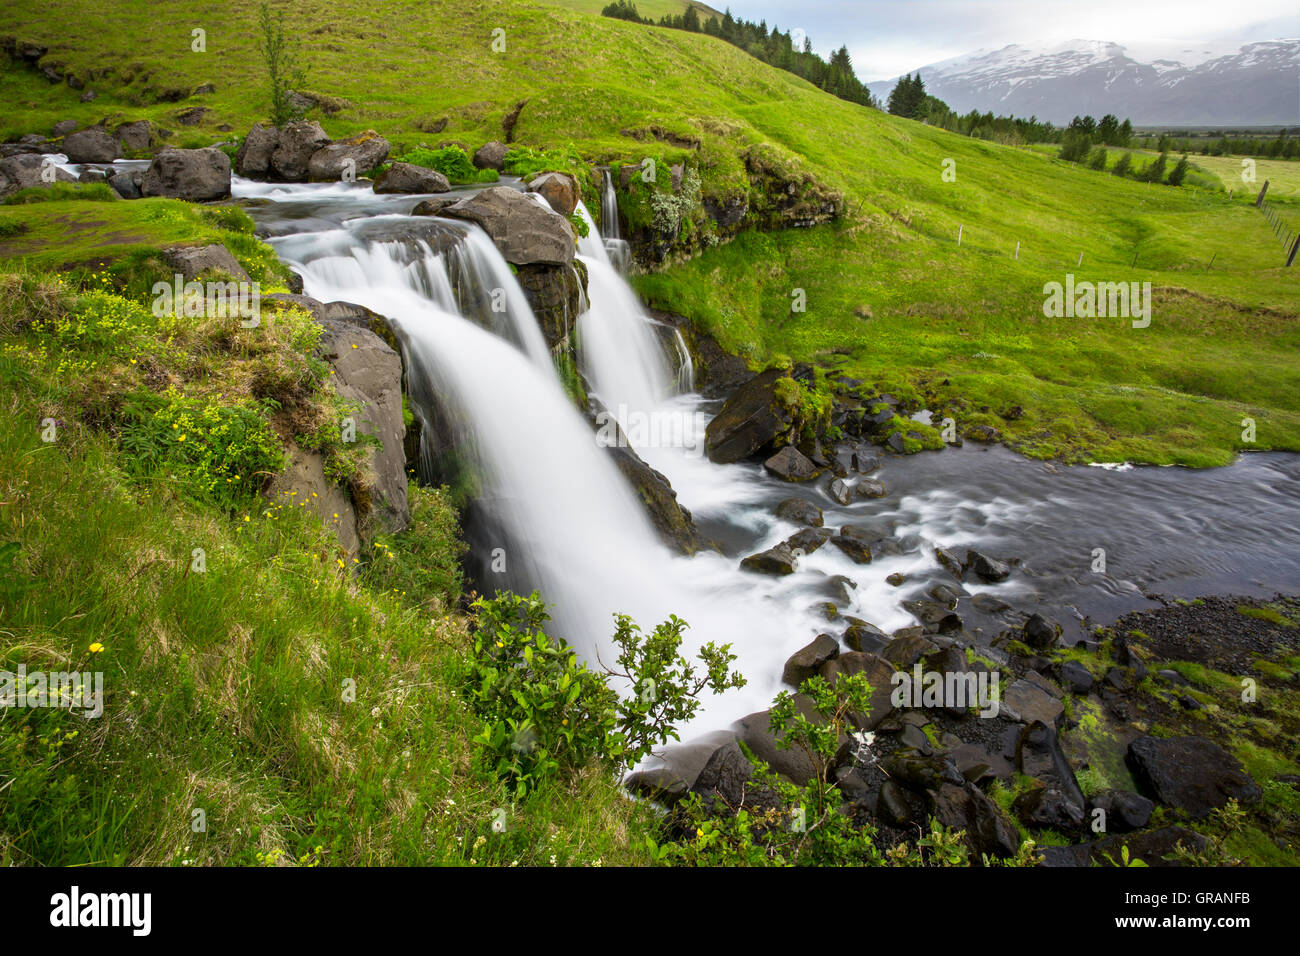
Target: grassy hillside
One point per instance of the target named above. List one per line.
(970, 316)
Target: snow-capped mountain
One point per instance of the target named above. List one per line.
(1256, 84)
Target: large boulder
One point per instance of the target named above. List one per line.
(253, 159)
(298, 142)
(965, 807)
(1190, 773)
(800, 511)
(191, 262)
(1039, 755)
(524, 231)
(755, 731)
(409, 178)
(24, 172)
(778, 559)
(560, 190)
(752, 419)
(197, 175)
(352, 156)
(91, 145)
(491, 156)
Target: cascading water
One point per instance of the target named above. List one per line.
(571, 526)
(608, 208)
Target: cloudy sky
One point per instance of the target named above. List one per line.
(890, 37)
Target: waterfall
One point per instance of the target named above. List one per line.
(609, 208)
(469, 277)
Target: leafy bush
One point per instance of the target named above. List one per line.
(547, 715)
(452, 161)
(222, 453)
(544, 712)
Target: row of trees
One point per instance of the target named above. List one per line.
(1286, 145)
(773, 47)
(1098, 158)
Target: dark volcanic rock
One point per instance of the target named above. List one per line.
(790, 464)
(752, 419)
(808, 540)
(779, 559)
(986, 568)
(253, 160)
(491, 155)
(965, 807)
(800, 511)
(1125, 811)
(91, 145)
(808, 660)
(1190, 773)
(196, 175)
(408, 178)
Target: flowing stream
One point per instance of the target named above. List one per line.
(564, 520)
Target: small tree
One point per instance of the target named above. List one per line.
(1155, 173)
(1179, 172)
(1098, 158)
(1123, 166)
(281, 65)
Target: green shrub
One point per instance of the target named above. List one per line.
(55, 192)
(221, 453)
(452, 161)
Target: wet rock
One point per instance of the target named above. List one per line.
(923, 772)
(752, 419)
(800, 511)
(1027, 702)
(808, 540)
(491, 156)
(91, 145)
(779, 559)
(525, 232)
(1038, 755)
(859, 541)
(1076, 678)
(1125, 811)
(904, 651)
(975, 762)
(965, 807)
(353, 157)
(949, 561)
(896, 579)
(864, 636)
(1045, 808)
(253, 159)
(1152, 847)
(986, 568)
(841, 491)
(1039, 633)
(727, 782)
(789, 464)
(196, 175)
(560, 190)
(1190, 773)
(936, 618)
(947, 596)
(409, 178)
(674, 524)
(989, 604)
(894, 806)
(298, 142)
(808, 660)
